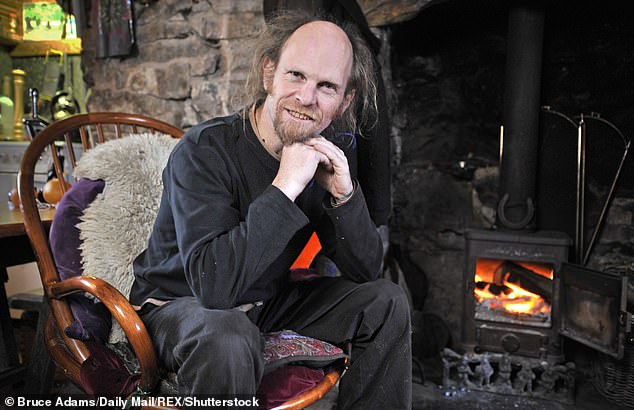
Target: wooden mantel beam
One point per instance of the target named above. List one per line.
(385, 12)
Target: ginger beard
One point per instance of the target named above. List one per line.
(308, 124)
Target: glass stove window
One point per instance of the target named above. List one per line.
(513, 291)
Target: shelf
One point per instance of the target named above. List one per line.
(39, 48)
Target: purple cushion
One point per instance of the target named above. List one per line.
(286, 346)
(305, 358)
(105, 374)
(92, 320)
(286, 383)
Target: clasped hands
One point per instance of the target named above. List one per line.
(315, 158)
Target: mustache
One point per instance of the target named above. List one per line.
(300, 109)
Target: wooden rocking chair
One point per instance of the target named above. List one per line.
(81, 133)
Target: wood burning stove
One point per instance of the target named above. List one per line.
(517, 298)
(510, 300)
(521, 297)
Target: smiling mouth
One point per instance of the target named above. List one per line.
(298, 115)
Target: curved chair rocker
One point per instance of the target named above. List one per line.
(86, 131)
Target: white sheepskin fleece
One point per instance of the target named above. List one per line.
(116, 226)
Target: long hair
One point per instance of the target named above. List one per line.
(362, 112)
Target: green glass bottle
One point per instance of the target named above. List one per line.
(7, 110)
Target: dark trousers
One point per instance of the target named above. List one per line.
(220, 351)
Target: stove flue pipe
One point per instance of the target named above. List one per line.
(519, 140)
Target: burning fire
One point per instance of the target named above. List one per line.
(495, 291)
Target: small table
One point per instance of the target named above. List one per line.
(16, 250)
(12, 225)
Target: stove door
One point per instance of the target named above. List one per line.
(593, 308)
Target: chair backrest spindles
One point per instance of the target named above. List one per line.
(57, 166)
(63, 132)
(84, 138)
(71, 150)
(100, 137)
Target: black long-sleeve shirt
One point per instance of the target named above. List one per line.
(226, 235)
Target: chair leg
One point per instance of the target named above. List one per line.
(8, 348)
(40, 369)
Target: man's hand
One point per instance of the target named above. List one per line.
(298, 164)
(334, 174)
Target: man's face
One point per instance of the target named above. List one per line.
(307, 88)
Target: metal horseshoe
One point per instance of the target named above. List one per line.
(530, 212)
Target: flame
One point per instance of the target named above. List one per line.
(513, 298)
(543, 269)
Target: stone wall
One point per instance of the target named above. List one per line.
(193, 56)
(190, 65)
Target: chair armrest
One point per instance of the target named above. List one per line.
(123, 313)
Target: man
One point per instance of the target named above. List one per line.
(373, 148)
(242, 194)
